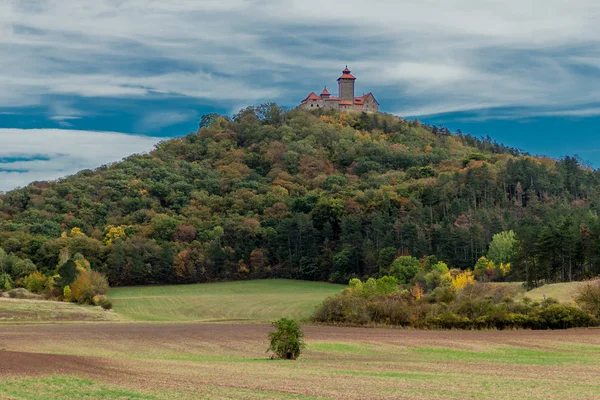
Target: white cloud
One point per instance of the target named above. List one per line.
(42, 154)
(155, 121)
(421, 57)
(443, 55)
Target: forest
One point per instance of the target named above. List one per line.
(275, 193)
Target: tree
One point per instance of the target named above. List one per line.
(6, 283)
(502, 248)
(287, 341)
(87, 285)
(208, 119)
(67, 272)
(404, 268)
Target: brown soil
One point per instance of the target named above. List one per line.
(22, 363)
(154, 356)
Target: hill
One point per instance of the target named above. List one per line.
(262, 301)
(14, 311)
(317, 196)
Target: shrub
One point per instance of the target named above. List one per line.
(87, 285)
(107, 305)
(387, 285)
(343, 309)
(287, 341)
(588, 297)
(67, 295)
(99, 299)
(6, 282)
(476, 306)
(35, 282)
(562, 316)
(462, 280)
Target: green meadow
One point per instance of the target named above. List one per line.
(256, 301)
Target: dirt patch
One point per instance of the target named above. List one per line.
(23, 363)
(17, 315)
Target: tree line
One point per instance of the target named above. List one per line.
(308, 195)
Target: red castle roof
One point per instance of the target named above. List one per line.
(325, 92)
(346, 74)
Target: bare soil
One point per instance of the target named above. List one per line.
(349, 363)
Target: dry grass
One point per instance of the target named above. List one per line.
(563, 292)
(229, 361)
(14, 311)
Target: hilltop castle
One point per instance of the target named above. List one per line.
(346, 100)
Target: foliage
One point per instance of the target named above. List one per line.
(287, 341)
(87, 285)
(99, 299)
(35, 282)
(502, 248)
(67, 272)
(476, 306)
(6, 282)
(404, 268)
(67, 294)
(588, 297)
(462, 279)
(313, 195)
(385, 285)
(107, 305)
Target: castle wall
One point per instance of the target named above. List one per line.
(313, 104)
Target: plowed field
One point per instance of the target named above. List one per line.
(156, 361)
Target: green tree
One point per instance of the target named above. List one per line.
(502, 248)
(287, 341)
(404, 268)
(67, 272)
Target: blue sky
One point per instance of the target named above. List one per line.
(84, 83)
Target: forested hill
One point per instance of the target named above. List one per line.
(296, 194)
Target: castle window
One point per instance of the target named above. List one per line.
(312, 105)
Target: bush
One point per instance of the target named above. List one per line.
(67, 294)
(6, 282)
(477, 306)
(107, 305)
(35, 282)
(588, 297)
(287, 341)
(562, 316)
(343, 309)
(99, 299)
(87, 285)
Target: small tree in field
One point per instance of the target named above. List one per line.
(287, 341)
(588, 297)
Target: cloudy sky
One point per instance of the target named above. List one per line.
(87, 82)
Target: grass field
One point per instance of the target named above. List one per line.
(258, 301)
(563, 292)
(38, 311)
(188, 361)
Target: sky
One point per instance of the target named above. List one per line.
(84, 83)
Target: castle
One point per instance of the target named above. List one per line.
(346, 100)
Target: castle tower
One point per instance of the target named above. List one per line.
(346, 86)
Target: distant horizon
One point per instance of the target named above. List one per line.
(149, 70)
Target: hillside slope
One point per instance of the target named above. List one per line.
(299, 195)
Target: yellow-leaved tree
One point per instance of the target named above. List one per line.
(462, 279)
(112, 233)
